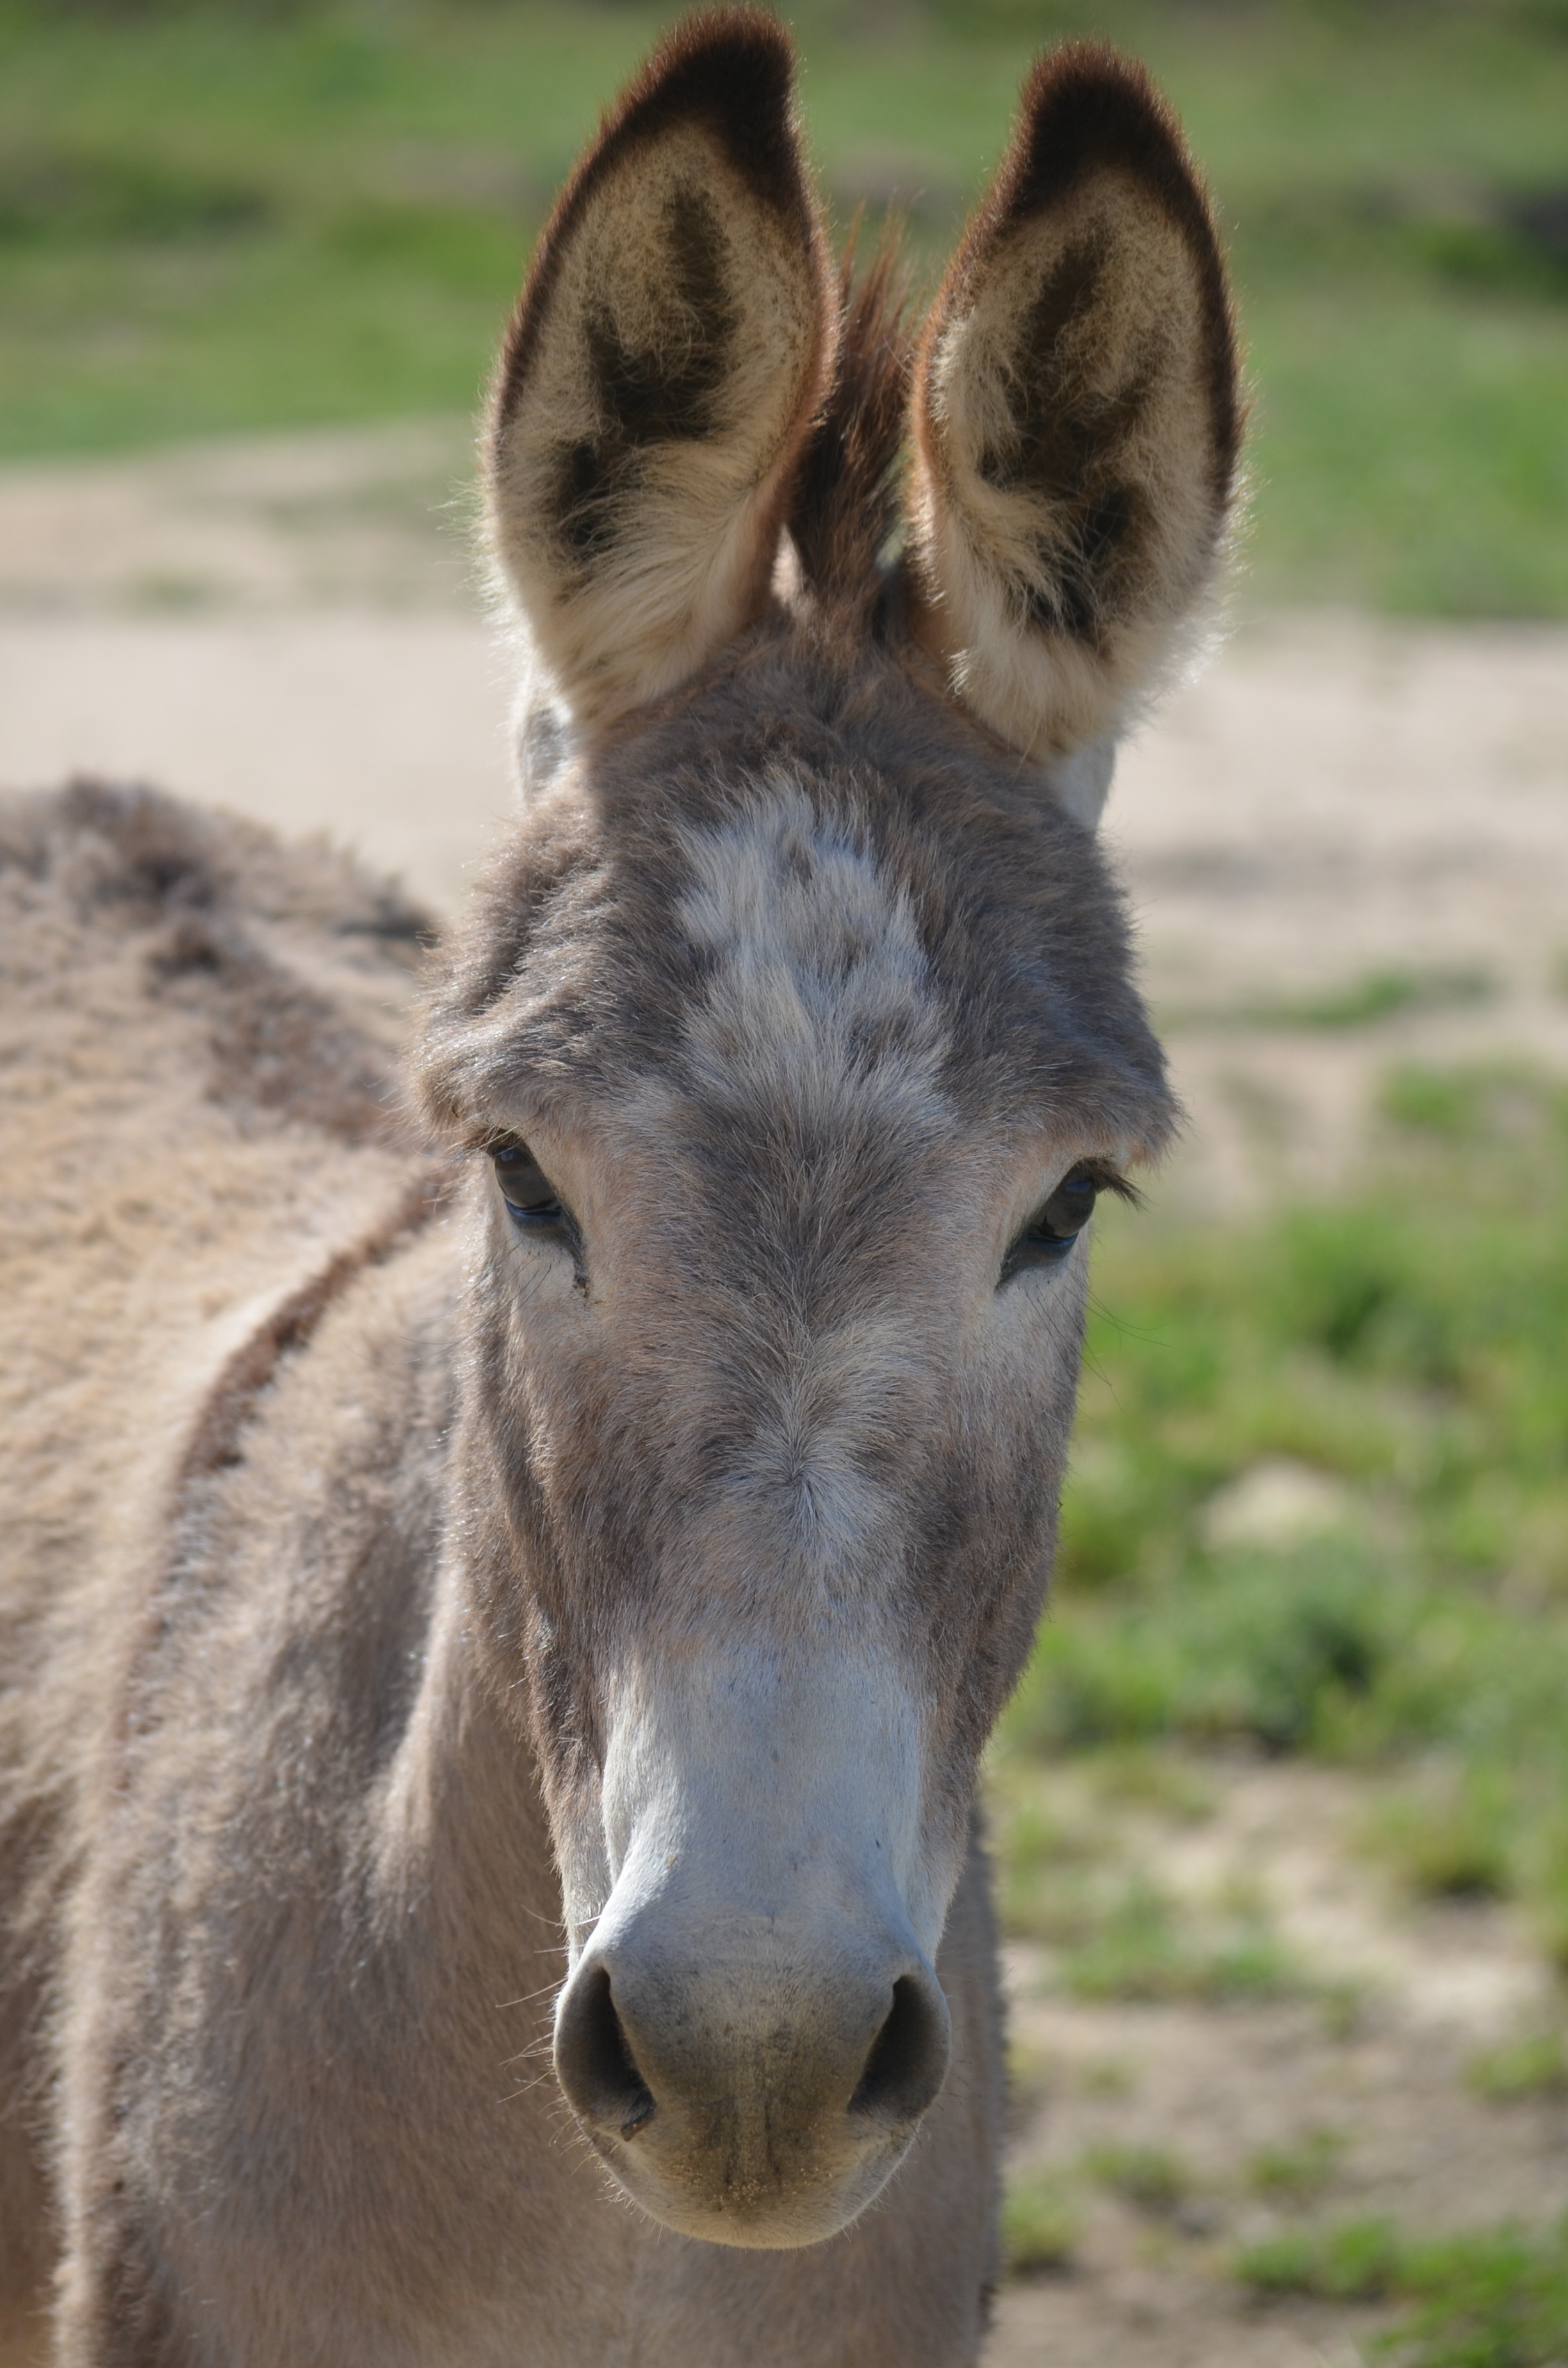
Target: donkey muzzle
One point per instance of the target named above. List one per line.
(761, 2099)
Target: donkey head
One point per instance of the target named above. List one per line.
(794, 1037)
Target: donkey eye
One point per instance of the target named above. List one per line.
(1052, 1230)
(532, 1202)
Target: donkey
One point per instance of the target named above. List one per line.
(499, 1628)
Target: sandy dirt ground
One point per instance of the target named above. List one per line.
(1368, 2078)
(292, 629)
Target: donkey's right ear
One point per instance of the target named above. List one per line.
(664, 364)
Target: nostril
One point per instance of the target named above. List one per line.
(593, 2061)
(908, 2061)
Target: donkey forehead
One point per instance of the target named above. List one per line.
(869, 940)
(818, 995)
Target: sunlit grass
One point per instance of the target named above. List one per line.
(1152, 2178)
(1299, 2173)
(1490, 2298)
(1040, 2225)
(1535, 2065)
(1406, 1344)
(1374, 996)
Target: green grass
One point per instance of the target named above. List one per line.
(1039, 2225)
(1533, 2065)
(235, 217)
(1152, 2178)
(1117, 1932)
(1492, 2298)
(1297, 2174)
(1113, 1931)
(1406, 1340)
(1375, 995)
(1145, 1946)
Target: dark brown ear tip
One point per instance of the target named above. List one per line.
(729, 59)
(1070, 73)
(749, 32)
(733, 68)
(1086, 109)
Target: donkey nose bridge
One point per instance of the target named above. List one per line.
(851, 2044)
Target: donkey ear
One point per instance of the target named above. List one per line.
(1076, 422)
(669, 350)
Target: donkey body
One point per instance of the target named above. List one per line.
(498, 1638)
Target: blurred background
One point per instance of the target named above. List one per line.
(1282, 1810)
(271, 213)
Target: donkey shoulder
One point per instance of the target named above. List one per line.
(197, 1030)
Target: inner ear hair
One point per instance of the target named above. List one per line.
(670, 352)
(1077, 421)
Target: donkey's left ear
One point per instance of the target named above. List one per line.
(1076, 423)
(670, 352)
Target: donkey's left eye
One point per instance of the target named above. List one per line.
(1052, 1230)
(532, 1202)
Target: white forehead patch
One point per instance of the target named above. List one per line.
(820, 987)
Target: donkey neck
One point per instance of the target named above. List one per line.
(431, 1839)
(463, 1847)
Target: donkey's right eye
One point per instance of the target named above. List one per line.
(532, 1202)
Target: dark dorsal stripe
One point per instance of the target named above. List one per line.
(231, 1404)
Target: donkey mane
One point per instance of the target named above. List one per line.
(845, 509)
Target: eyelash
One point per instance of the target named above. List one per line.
(533, 1204)
(1047, 1240)
(1050, 1234)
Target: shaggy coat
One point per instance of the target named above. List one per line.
(506, 1580)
